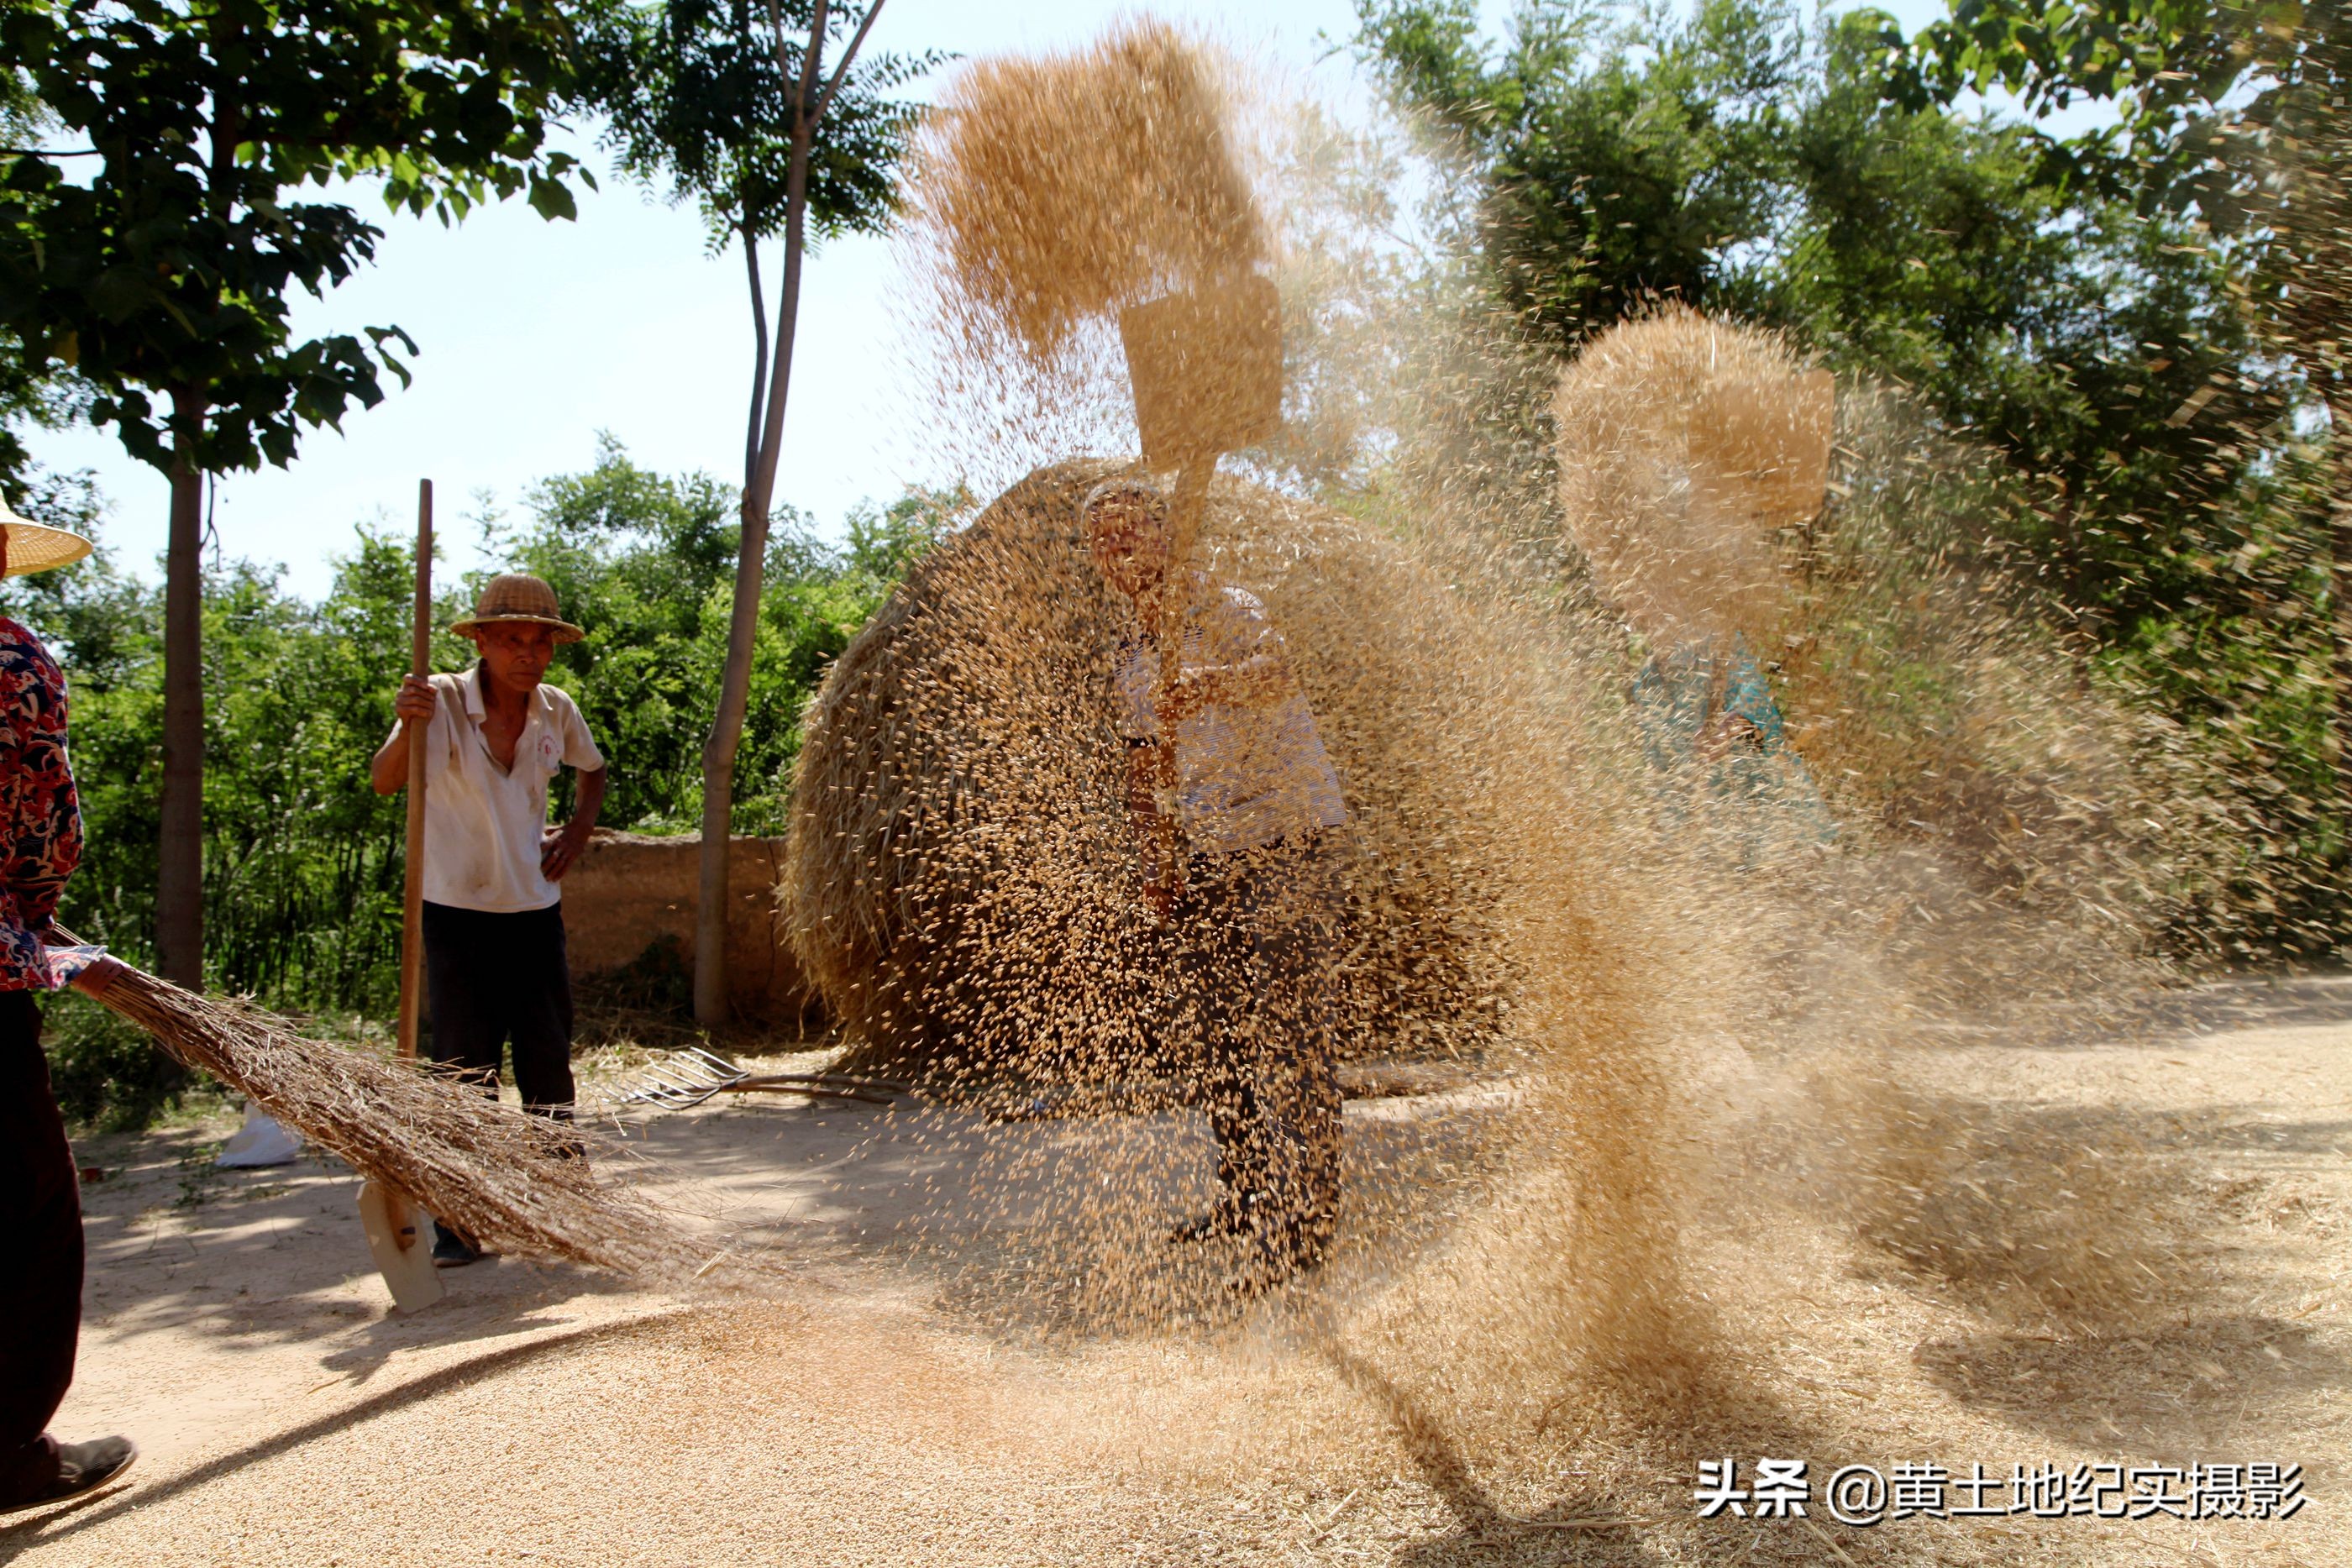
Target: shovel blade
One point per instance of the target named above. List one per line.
(1207, 370)
(395, 1238)
(1769, 442)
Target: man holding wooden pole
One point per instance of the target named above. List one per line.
(495, 968)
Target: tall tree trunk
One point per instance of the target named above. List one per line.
(180, 865)
(711, 1007)
(180, 859)
(2339, 530)
(757, 422)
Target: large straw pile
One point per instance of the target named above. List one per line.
(959, 857)
(516, 1183)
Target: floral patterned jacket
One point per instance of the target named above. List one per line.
(40, 816)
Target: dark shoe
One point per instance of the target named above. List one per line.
(1227, 1218)
(451, 1250)
(81, 1468)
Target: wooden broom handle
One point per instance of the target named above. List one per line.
(411, 898)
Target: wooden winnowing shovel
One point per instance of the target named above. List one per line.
(394, 1225)
(1206, 367)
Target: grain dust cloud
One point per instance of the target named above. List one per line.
(1650, 885)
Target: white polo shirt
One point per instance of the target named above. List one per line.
(482, 821)
(1245, 775)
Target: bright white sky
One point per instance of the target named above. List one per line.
(535, 335)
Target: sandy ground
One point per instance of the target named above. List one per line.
(914, 1393)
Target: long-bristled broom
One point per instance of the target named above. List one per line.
(514, 1182)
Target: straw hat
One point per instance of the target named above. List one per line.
(519, 597)
(35, 547)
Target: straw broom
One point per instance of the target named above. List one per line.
(517, 1183)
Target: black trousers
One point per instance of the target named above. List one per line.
(494, 978)
(40, 1288)
(1259, 933)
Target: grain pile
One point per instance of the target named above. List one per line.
(964, 886)
(963, 882)
(960, 882)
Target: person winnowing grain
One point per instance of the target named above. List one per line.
(1257, 908)
(40, 1187)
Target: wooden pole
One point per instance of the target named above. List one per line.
(1206, 369)
(412, 899)
(1183, 532)
(394, 1225)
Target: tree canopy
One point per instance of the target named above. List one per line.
(698, 93)
(170, 257)
(2097, 327)
(163, 274)
(1740, 162)
(2231, 112)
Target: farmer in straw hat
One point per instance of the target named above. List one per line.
(1688, 449)
(40, 1194)
(1258, 906)
(494, 960)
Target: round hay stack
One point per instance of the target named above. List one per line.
(960, 882)
(1686, 446)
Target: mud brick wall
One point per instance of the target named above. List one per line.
(629, 893)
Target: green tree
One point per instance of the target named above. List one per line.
(162, 272)
(760, 134)
(2232, 115)
(2132, 450)
(701, 109)
(303, 861)
(1618, 156)
(29, 393)
(2063, 327)
(1736, 162)
(644, 562)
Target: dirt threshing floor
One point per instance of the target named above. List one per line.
(881, 1413)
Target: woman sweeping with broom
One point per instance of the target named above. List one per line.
(40, 1190)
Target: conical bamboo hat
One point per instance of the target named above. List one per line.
(36, 546)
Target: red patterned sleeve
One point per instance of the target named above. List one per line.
(40, 816)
